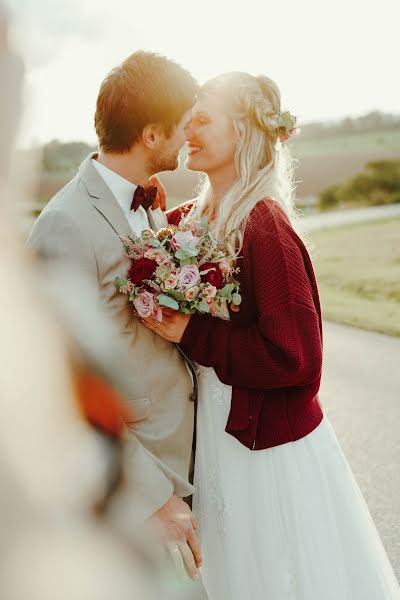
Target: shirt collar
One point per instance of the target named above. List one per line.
(121, 188)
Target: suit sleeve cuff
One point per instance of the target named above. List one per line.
(145, 487)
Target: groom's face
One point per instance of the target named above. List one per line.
(166, 155)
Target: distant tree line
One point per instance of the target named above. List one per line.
(372, 121)
(379, 183)
(59, 157)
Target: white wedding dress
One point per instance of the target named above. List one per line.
(286, 523)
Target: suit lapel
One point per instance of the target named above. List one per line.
(107, 205)
(103, 199)
(105, 202)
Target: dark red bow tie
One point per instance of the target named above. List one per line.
(143, 197)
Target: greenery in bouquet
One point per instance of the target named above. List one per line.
(183, 268)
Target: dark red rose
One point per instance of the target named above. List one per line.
(140, 269)
(213, 277)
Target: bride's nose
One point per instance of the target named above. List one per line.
(189, 131)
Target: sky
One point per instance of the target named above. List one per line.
(330, 59)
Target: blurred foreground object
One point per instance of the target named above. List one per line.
(59, 456)
(11, 73)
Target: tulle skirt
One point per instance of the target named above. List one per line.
(285, 523)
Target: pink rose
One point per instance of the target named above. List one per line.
(171, 282)
(209, 291)
(188, 276)
(191, 293)
(183, 237)
(144, 304)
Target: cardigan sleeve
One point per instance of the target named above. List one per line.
(283, 346)
(174, 215)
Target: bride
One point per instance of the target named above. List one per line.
(280, 513)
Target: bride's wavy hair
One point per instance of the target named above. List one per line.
(263, 164)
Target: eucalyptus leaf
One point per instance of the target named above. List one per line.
(177, 295)
(188, 311)
(120, 282)
(181, 254)
(227, 290)
(167, 301)
(185, 261)
(155, 243)
(236, 299)
(203, 307)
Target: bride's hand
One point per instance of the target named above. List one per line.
(161, 198)
(171, 328)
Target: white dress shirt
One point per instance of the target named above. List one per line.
(123, 191)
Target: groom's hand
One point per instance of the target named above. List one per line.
(161, 198)
(177, 524)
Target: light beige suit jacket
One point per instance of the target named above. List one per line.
(84, 224)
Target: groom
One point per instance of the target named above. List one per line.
(142, 109)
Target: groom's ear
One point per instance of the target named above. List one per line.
(151, 136)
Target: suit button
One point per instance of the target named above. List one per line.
(192, 397)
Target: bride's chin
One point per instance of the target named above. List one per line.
(191, 165)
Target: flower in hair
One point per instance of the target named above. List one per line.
(286, 125)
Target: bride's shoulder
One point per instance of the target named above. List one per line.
(267, 215)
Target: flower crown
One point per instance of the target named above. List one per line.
(286, 125)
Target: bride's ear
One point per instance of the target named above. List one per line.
(151, 135)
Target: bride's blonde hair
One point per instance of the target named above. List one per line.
(263, 164)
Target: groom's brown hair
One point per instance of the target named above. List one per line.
(145, 89)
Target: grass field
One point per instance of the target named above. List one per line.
(322, 162)
(358, 272)
(373, 142)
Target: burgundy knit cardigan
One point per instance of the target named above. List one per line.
(270, 352)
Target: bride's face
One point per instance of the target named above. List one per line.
(210, 136)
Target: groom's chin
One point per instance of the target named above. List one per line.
(174, 164)
(170, 165)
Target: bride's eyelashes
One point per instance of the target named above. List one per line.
(200, 119)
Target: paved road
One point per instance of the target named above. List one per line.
(361, 394)
(324, 220)
(343, 217)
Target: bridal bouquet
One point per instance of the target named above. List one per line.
(183, 268)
